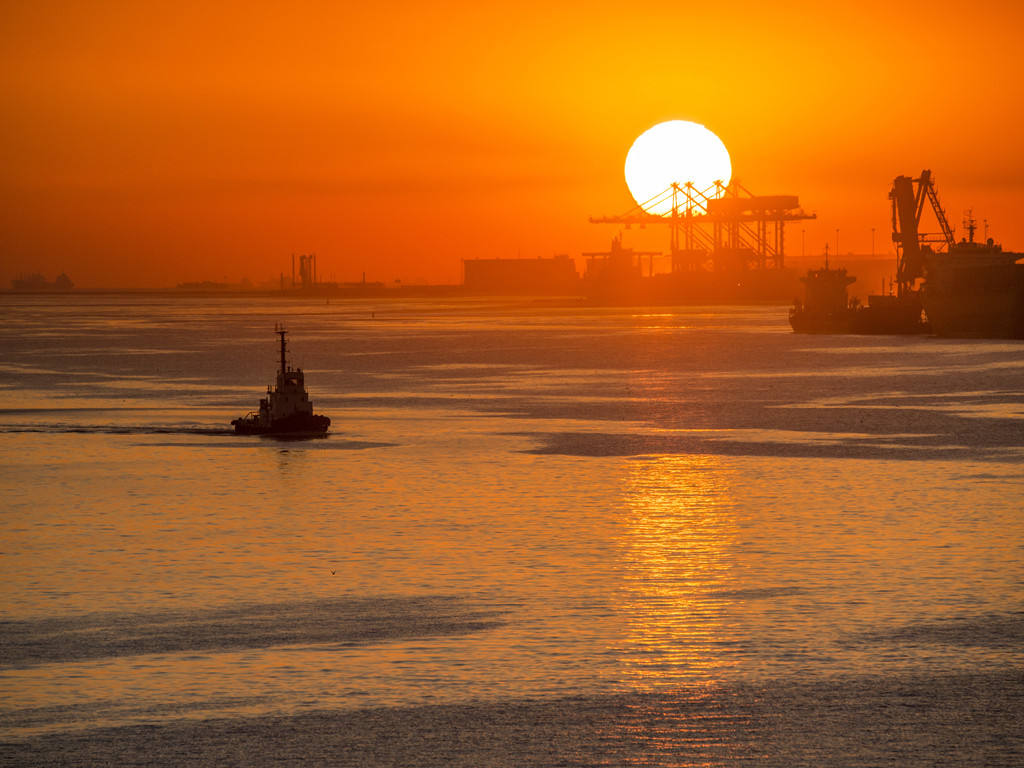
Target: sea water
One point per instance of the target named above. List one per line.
(537, 534)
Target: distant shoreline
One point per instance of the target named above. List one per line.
(421, 292)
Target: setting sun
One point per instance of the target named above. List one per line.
(674, 152)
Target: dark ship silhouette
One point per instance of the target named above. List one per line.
(970, 289)
(965, 289)
(827, 309)
(974, 289)
(286, 411)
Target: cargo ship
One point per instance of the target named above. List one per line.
(286, 411)
(974, 289)
(827, 309)
(959, 289)
(970, 289)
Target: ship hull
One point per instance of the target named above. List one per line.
(976, 301)
(810, 321)
(891, 315)
(297, 425)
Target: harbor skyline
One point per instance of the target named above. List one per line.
(150, 146)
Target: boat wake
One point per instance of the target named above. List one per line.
(108, 429)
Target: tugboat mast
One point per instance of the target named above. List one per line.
(281, 332)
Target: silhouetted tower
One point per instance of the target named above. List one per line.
(307, 270)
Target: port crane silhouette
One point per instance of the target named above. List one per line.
(908, 196)
(724, 225)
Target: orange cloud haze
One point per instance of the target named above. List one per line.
(147, 144)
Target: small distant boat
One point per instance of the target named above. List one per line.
(825, 308)
(286, 411)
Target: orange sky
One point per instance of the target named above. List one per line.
(145, 144)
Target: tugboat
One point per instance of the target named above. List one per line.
(286, 411)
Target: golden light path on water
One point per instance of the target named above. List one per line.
(677, 557)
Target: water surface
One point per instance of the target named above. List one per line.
(534, 536)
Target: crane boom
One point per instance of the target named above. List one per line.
(907, 206)
(947, 231)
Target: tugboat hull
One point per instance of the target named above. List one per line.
(802, 320)
(299, 425)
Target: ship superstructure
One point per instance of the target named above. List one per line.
(287, 409)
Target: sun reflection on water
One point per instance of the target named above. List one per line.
(678, 557)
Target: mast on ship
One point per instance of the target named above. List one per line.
(281, 332)
(970, 224)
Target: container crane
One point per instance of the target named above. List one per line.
(725, 223)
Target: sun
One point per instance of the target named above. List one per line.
(674, 152)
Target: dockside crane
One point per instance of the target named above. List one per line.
(908, 196)
(724, 223)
